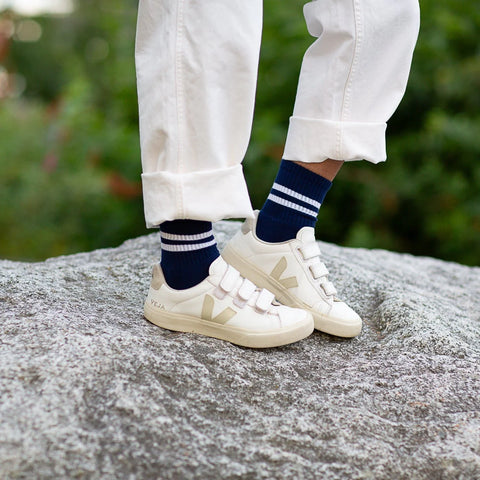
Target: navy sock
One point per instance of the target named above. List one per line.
(293, 203)
(188, 249)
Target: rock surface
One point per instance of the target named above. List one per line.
(89, 389)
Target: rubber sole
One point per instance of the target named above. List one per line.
(245, 338)
(254, 274)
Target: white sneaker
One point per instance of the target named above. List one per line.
(226, 306)
(293, 271)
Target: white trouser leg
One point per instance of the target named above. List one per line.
(352, 78)
(196, 74)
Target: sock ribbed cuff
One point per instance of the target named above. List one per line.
(188, 249)
(303, 181)
(293, 202)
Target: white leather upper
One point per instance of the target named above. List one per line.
(253, 308)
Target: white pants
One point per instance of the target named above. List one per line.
(197, 64)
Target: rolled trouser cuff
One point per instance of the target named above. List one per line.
(209, 195)
(310, 140)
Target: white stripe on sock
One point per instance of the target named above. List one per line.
(186, 238)
(292, 205)
(187, 247)
(295, 194)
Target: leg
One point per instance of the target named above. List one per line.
(196, 70)
(196, 80)
(195, 122)
(352, 79)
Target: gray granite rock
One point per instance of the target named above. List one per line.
(91, 390)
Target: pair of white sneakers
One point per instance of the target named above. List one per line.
(257, 294)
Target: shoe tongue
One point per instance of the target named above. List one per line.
(218, 267)
(306, 235)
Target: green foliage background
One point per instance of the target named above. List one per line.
(70, 161)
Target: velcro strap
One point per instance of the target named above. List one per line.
(318, 270)
(310, 250)
(328, 288)
(230, 279)
(264, 300)
(246, 290)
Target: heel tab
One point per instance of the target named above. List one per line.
(249, 224)
(157, 277)
(246, 226)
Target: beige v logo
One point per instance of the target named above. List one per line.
(277, 272)
(222, 317)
